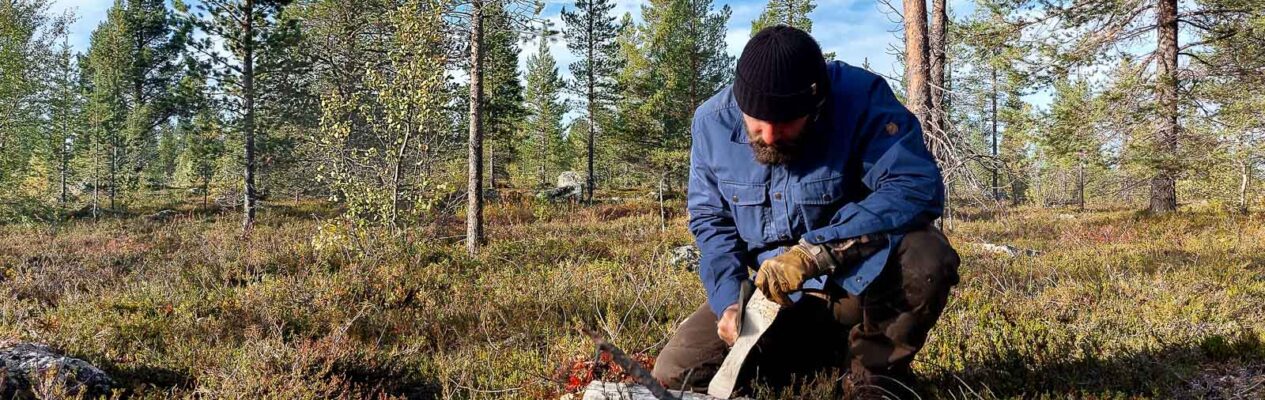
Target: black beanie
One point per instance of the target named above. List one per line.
(781, 75)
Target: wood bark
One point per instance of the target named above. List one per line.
(937, 42)
(474, 187)
(592, 93)
(917, 97)
(1163, 185)
(248, 123)
(996, 188)
(1245, 180)
(395, 178)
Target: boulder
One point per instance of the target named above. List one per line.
(685, 257)
(1007, 250)
(570, 187)
(26, 366)
(162, 216)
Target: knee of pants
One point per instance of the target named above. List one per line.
(929, 265)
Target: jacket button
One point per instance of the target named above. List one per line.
(825, 197)
(777, 196)
(820, 238)
(735, 198)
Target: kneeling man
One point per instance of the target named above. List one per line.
(814, 172)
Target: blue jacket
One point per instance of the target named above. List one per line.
(872, 174)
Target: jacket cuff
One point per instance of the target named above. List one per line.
(725, 294)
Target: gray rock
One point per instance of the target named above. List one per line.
(25, 366)
(1007, 250)
(570, 179)
(570, 187)
(162, 216)
(685, 257)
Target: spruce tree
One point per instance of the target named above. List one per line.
(545, 110)
(591, 34)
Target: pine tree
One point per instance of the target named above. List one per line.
(544, 110)
(1071, 141)
(65, 113)
(23, 51)
(785, 12)
(685, 46)
(503, 104)
(107, 68)
(246, 28)
(591, 34)
(473, 15)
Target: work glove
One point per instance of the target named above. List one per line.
(784, 274)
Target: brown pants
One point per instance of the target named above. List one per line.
(874, 335)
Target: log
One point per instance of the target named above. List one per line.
(598, 390)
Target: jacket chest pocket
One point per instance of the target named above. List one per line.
(749, 204)
(818, 200)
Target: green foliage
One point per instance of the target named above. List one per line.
(542, 129)
(24, 49)
(503, 110)
(673, 62)
(374, 173)
(591, 33)
(785, 12)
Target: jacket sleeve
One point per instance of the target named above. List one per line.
(721, 267)
(905, 182)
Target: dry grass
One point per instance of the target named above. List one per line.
(1116, 304)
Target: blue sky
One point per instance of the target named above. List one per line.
(854, 29)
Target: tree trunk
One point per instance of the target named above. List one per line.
(114, 167)
(1080, 183)
(1163, 185)
(588, 188)
(1245, 180)
(916, 69)
(96, 176)
(474, 187)
(248, 124)
(663, 210)
(65, 165)
(938, 43)
(996, 189)
(544, 158)
(395, 179)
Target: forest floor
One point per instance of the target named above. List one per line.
(1113, 304)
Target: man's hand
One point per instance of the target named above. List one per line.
(727, 326)
(782, 275)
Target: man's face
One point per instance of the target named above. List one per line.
(775, 142)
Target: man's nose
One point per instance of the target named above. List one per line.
(767, 134)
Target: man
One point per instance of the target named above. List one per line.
(814, 172)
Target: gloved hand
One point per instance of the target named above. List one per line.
(784, 274)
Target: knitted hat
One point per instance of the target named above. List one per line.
(781, 75)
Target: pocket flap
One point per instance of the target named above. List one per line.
(820, 192)
(743, 194)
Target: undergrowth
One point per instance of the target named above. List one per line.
(1112, 305)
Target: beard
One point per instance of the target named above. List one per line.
(779, 154)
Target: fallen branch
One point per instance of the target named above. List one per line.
(634, 369)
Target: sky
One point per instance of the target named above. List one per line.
(857, 31)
